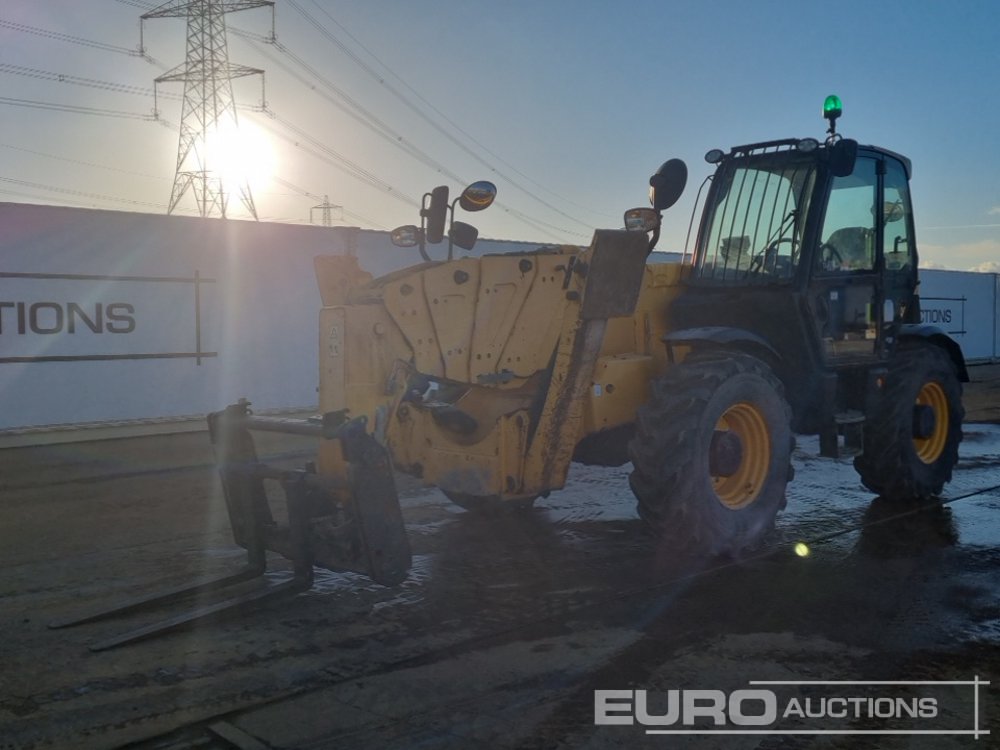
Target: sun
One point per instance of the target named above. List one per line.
(240, 155)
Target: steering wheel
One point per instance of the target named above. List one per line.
(830, 257)
(770, 255)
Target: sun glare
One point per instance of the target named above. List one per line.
(240, 154)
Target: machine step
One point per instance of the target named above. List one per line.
(844, 437)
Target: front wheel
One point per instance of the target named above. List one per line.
(712, 451)
(911, 441)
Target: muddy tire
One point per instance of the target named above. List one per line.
(712, 452)
(911, 441)
(490, 504)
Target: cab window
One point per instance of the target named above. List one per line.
(899, 249)
(753, 231)
(847, 240)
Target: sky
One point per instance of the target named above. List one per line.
(567, 106)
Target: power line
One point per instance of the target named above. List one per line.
(26, 29)
(301, 191)
(78, 109)
(331, 157)
(137, 4)
(349, 105)
(81, 193)
(208, 108)
(357, 111)
(431, 121)
(324, 152)
(48, 75)
(339, 160)
(80, 161)
(327, 154)
(437, 111)
(313, 196)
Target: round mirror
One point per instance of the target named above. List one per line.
(478, 195)
(406, 236)
(666, 186)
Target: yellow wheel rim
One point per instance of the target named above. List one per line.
(929, 449)
(744, 485)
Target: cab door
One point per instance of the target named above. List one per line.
(899, 250)
(846, 275)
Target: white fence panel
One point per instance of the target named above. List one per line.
(964, 305)
(109, 316)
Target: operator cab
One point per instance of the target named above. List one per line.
(805, 255)
(780, 215)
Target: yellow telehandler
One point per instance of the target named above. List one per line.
(486, 376)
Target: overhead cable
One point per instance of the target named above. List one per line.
(24, 28)
(424, 116)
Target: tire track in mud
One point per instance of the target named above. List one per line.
(587, 606)
(393, 634)
(484, 596)
(559, 612)
(482, 582)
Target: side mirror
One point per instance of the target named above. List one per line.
(642, 219)
(477, 197)
(842, 156)
(666, 186)
(436, 213)
(462, 234)
(406, 236)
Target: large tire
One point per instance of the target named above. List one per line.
(490, 504)
(689, 479)
(904, 459)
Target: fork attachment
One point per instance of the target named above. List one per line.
(340, 523)
(351, 523)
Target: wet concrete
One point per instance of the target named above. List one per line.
(506, 625)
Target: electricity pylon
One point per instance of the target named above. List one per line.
(208, 114)
(326, 212)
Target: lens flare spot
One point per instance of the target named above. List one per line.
(802, 549)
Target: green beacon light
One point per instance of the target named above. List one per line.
(832, 109)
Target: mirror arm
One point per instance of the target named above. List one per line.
(654, 239)
(451, 222)
(423, 248)
(423, 225)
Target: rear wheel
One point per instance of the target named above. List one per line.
(712, 451)
(911, 441)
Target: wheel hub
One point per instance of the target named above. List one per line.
(924, 421)
(725, 454)
(739, 455)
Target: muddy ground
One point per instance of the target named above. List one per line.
(506, 625)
